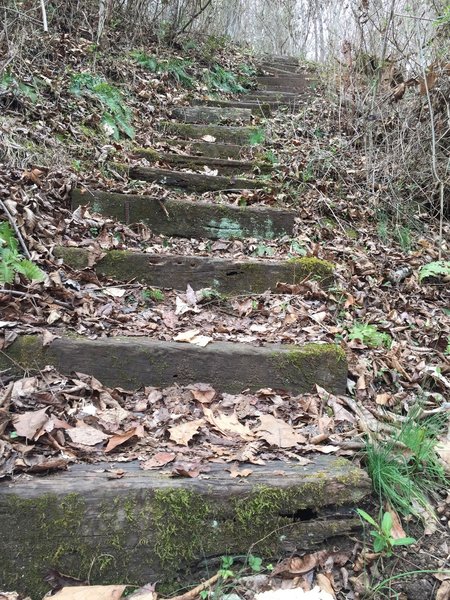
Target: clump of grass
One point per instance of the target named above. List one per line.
(406, 470)
(175, 68)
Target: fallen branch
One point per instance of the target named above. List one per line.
(16, 229)
(191, 594)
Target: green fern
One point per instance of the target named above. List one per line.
(117, 116)
(12, 262)
(370, 336)
(439, 268)
(175, 68)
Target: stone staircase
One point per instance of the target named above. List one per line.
(145, 520)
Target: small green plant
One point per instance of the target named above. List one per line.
(270, 157)
(383, 541)
(9, 84)
(405, 469)
(370, 336)
(225, 571)
(263, 250)
(175, 68)
(154, 294)
(12, 262)
(439, 268)
(257, 137)
(117, 117)
(404, 238)
(255, 563)
(447, 350)
(221, 80)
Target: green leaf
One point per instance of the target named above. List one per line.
(255, 563)
(406, 541)
(438, 268)
(30, 270)
(6, 272)
(386, 524)
(379, 543)
(366, 517)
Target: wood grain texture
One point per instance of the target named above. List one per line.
(211, 115)
(185, 218)
(194, 182)
(226, 276)
(131, 362)
(147, 526)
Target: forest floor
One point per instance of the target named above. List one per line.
(393, 327)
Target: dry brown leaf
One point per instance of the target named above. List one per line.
(91, 592)
(30, 424)
(121, 438)
(182, 434)
(160, 459)
(203, 392)
(443, 592)
(228, 424)
(86, 435)
(235, 472)
(325, 584)
(278, 433)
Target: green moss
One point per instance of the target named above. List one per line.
(310, 265)
(76, 258)
(234, 135)
(351, 233)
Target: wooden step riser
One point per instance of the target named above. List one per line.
(257, 109)
(221, 133)
(211, 115)
(223, 275)
(209, 149)
(85, 524)
(194, 182)
(184, 218)
(130, 363)
(223, 166)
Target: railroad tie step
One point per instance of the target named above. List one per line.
(132, 362)
(284, 83)
(211, 115)
(75, 518)
(196, 182)
(257, 109)
(222, 165)
(221, 133)
(227, 276)
(190, 219)
(209, 149)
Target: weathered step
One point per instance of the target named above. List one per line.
(222, 133)
(258, 109)
(288, 97)
(222, 165)
(281, 59)
(223, 275)
(196, 182)
(210, 149)
(279, 69)
(147, 526)
(185, 218)
(131, 362)
(299, 84)
(211, 115)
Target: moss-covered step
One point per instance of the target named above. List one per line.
(131, 362)
(191, 219)
(147, 526)
(187, 161)
(211, 115)
(210, 149)
(257, 109)
(222, 133)
(195, 182)
(223, 275)
(272, 96)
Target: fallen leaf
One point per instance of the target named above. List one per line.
(91, 592)
(48, 337)
(235, 472)
(208, 138)
(443, 592)
(182, 434)
(203, 392)
(227, 424)
(278, 433)
(160, 459)
(121, 438)
(31, 423)
(86, 435)
(115, 292)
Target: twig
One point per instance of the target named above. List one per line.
(16, 229)
(191, 594)
(34, 296)
(44, 16)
